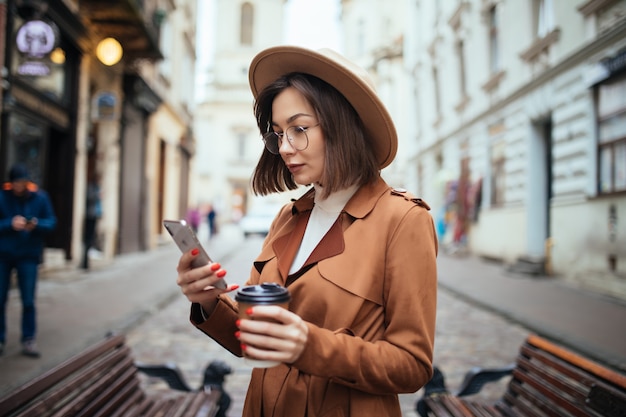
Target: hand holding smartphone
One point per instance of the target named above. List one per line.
(187, 240)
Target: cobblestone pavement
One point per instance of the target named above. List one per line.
(467, 336)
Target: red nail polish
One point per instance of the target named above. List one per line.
(195, 251)
(237, 334)
(234, 287)
(215, 266)
(243, 347)
(221, 274)
(237, 323)
(249, 311)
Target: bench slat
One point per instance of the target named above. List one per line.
(49, 400)
(113, 397)
(159, 408)
(521, 397)
(102, 381)
(435, 404)
(539, 392)
(33, 388)
(479, 409)
(566, 385)
(521, 407)
(83, 404)
(179, 406)
(557, 378)
(547, 381)
(137, 397)
(139, 408)
(204, 405)
(579, 361)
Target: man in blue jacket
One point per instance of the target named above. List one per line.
(26, 216)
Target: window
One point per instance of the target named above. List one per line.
(611, 125)
(543, 17)
(247, 24)
(437, 92)
(494, 54)
(166, 41)
(497, 164)
(241, 146)
(460, 51)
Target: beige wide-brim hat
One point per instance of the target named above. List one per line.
(349, 79)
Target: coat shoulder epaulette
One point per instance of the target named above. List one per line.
(401, 192)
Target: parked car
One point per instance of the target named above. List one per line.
(258, 220)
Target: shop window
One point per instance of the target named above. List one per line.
(27, 142)
(611, 128)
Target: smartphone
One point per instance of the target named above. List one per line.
(186, 240)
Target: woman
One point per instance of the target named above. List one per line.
(358, 257)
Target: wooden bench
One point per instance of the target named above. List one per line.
(103, 381)
(546, 380)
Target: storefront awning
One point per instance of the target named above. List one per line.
(126, 21)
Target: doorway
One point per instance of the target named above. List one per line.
(539, 187)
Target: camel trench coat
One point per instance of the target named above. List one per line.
(368, 294)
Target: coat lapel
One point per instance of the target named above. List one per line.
(286, 245)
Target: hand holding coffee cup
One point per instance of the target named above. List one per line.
(263, 294)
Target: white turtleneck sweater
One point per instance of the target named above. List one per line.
(324, 214)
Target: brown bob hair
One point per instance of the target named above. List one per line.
(350, 158)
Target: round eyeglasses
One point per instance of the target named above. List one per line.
(296, 136)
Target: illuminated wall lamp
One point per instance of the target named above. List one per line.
(109, 51)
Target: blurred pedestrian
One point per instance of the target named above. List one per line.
(26, 216)
(193, 218)
(93, 212)
(211, 214)
(358, 256)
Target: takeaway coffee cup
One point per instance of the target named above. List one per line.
(264, 294)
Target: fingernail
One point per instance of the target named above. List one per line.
(243, 347)
(249, 311)
(215, 266)
(237, 323)
(237, 334)
(195, 251)
(234, 287)
(220, 274)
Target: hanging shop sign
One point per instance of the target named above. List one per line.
(35, 40)
(105, 106)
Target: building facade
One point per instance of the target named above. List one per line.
(521, 144)
(229, 143)
(71, 114)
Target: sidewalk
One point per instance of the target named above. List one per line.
(586, 322)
